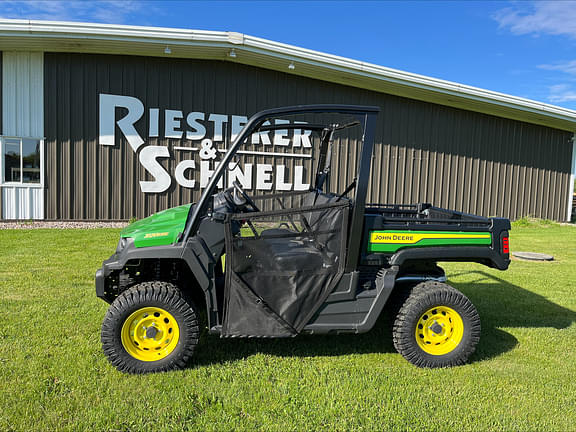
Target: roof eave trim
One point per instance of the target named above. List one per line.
(226, 40)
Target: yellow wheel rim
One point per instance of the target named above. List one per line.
(439, 330)
(150, 334)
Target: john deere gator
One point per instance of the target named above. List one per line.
(314, 261)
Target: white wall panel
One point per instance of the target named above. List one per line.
(22, 202)
(23, 94)
(572, 179)
(22, 116)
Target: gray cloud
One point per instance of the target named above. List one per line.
(562, 93)
(568, 67)
(546, 18)
(106, 11)
(539, 17)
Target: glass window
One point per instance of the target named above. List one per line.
(21, 160)
(30, 160)
(12, 160)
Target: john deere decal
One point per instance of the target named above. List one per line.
(391, 241)
(154, 235)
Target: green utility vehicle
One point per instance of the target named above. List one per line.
(308, 260)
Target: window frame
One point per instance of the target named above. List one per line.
(21, 183)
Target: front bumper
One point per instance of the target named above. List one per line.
(113, 264)
(102, 274)
(99, 280)
(106, 279)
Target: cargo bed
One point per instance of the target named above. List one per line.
(396, 233)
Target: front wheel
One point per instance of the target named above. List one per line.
(150, 327)
(437, 326)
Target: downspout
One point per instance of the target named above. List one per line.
(572, 177)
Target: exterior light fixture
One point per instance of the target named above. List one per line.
(291, 66)
(232, 53)
(167, 50)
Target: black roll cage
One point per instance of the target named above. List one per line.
(255, 124)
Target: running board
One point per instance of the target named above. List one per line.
(358, 315)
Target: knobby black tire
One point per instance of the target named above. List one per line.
(159, 294)
(423, 297)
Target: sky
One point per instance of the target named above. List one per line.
(523, 48)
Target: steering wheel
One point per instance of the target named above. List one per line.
(244, 195)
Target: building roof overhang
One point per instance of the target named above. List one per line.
(51, 36)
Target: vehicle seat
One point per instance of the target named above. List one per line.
(294, 255)
(290, 251)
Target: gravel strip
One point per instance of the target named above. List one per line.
(60, 225)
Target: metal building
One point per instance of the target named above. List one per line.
(101, 122)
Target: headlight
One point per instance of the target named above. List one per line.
(121, 244)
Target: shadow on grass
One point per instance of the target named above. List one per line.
(502, 304)
(212, 349)
(499, 303)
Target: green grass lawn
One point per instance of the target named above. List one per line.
(54, 376)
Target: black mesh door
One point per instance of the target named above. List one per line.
(282, 263)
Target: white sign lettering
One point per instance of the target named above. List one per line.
(108, 105)
(206, 136)
(162, 179)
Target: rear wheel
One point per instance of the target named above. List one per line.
(437, 326)
(150, 327)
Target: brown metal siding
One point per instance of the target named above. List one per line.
(424, 152)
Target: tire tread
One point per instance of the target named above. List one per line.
(426, 295)
(156, 292)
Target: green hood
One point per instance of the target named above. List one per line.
(160, 229)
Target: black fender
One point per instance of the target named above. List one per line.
(481, 255)
(195, 254)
